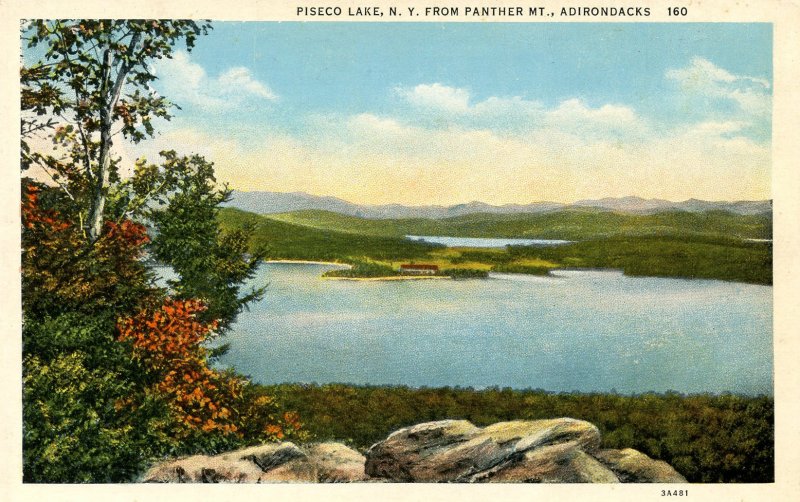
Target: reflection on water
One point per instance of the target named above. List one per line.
(482, 242)
(585, 331)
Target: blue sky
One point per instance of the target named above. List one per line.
(447, 113)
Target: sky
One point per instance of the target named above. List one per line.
(429, 113)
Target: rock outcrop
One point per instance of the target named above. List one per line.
(269, 463)
(560, 450)
(633, 466)
(456, 450)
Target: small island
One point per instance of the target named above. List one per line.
(376, 271)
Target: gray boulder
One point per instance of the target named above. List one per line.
(550, 464)
(633, 466)
(336, 463)
(204, 469)
(456, 450)
(272, 463)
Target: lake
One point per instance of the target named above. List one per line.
(579, 330)
(483, 242)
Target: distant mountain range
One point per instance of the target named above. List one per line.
(280, 202)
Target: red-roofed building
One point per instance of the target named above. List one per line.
(419, 269)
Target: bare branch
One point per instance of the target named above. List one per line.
(34, 128)
(46, 170)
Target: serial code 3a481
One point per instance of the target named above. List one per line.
(674, 493)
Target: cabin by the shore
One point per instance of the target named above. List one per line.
(419, 269)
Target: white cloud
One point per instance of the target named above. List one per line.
(439, 106)
(511, 108)
(454, 104)
(437, 97)
(373, 123)
(240, 78)
(704, 78)
(607, 122)
(186, 82)
(701, 73)
(714, 128)
(575, 111)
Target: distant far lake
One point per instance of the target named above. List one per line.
(478, 242)
(578, 330)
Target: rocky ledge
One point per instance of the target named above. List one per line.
(561, 450)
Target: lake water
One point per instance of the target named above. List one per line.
(480, 242)
(580, 330)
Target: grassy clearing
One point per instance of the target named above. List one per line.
(445, 263)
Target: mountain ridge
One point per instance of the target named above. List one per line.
(265, 202)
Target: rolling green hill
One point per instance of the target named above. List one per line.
(712, 245)
(297, 242)
(571, 224)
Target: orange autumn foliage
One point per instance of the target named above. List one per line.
(33, 216)
(169, 341)
(61, 271)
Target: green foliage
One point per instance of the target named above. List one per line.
(97, 406)
(112, 369)
(708, 439)
(327, 220)
(61, 272)
(703, 249)
(490, 257)
(70, 332)
(689, 257)
(95, 75)
(465, 273)
(363, 269)
(72, 431)
(287, 241)
(75, 373)
(521, 269)
(211, 263)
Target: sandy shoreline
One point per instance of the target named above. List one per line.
(389, 278)
(310, 262)
(345, 265)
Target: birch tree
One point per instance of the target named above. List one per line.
(87, 85)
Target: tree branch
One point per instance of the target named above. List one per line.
(46, 170)
(33, 128)
(140, 201)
